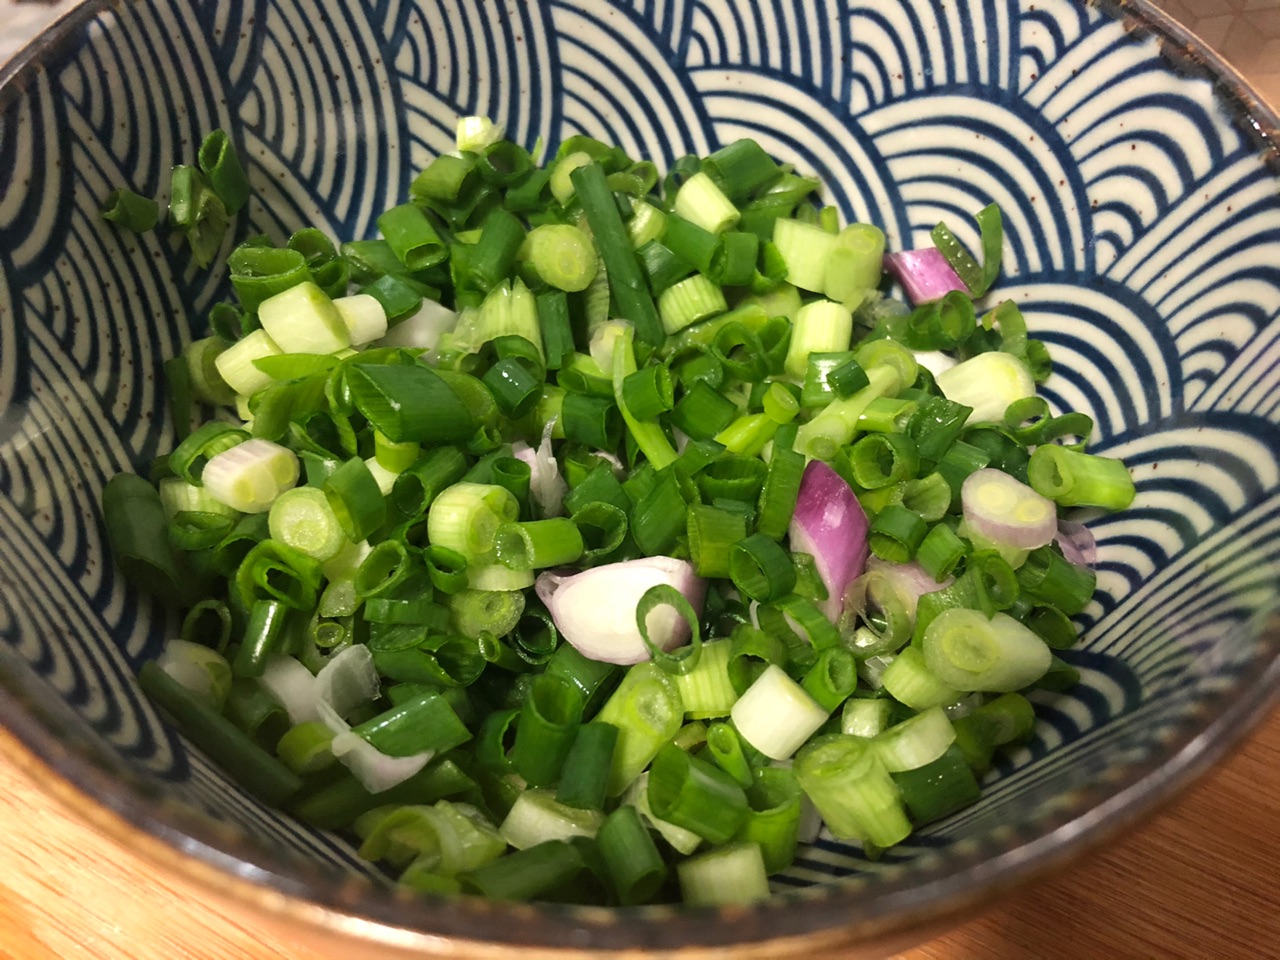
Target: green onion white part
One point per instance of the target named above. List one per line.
(204, 672)
(806, 248)
(775, 715)
(700, 201)
(476, 133)
(235, 364)
(732, 875)
(364, 318)
(249, 476)
(537, 817)
(819, 327)
(964, 649)
(301, 518)
(988, 382)
(303, 319)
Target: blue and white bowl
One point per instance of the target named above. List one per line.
(1138, 180)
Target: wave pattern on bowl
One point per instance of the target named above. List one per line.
(1142, 242)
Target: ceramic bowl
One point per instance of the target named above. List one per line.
(1138, 180)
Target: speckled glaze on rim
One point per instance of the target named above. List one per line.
(865, 910)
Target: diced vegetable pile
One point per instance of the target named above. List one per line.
(592, 536)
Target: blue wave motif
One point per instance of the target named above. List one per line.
(966, 152)
(1142, 242)
(794, 123)
(617, 86)
(446, 70)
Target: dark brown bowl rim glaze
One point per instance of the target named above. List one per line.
(95, 781)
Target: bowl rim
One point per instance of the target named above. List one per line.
(100, 789)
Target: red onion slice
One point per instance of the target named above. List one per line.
(1077, 543)
(909, 580)
(423, 330)
(348, 680)
(925, 274)
(830, 525)
(595, 611)
(546, 486)
(375, 770)
(294, 686)
(1005, 510)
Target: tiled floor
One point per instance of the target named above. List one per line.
(1246, 32)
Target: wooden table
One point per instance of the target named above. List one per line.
(1196, 883)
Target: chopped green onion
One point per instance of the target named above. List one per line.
(695, 795)
(702, 412)
(988, 383)
(855, 263)
(635, 866)
(648, 392)
(732, 875)
(832, 679)
(940, 551)
(198, 212)
(882, 459)
(969, 652)
(647, 710)
(819, 327)
(412, 237)
(525, 874)
(939, 788)
(549, 722)
(131, 211)
(355, 499)
(538, 817)
(302, 518)
(761, 569)
(725, 747)
(626, 283)
(866, 717)
(1071, 478)
(752, 652)
(221, 164)
(852, 790)
(426, 723)
(585, 774)
(776, 715)
(690, 301)
(444, 179)
(805, 249)
(909, 680)
(774, 822)
(741, 168)
(417, 486)
(701, 202)
(706, 690)
(563, 256)
(594, 422)
(896, 533)
(1049, 577)
(647, 435)
(916, 741)
(712, 533)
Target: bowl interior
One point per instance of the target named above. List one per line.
(1142, 243)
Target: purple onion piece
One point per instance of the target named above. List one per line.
(1005, 510)
(830, 525)
(595, 611)
(925, 274)
(1077, 543)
